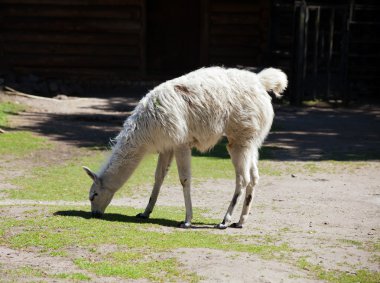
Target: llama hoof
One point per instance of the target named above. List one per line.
(236, 225)
(184, 225)
(221, 226)
(142, 216)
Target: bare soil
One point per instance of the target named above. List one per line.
(323, 214)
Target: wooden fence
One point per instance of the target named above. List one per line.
(88, 38)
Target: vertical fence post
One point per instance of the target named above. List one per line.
(345, 52)
(143, 34)
(316, 46)
(330, 54)
(301, 49)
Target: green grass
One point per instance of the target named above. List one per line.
(62, 182)
(26, 271)
(69, 182)
(69, 226)
(351, 242)
(6, 109)
(72, 276)
(165, 270)
(20, 272)
(139, 242)
(337, 276)
(19, 144)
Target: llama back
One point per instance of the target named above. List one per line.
(202, 106)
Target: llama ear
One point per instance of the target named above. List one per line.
(91, 174)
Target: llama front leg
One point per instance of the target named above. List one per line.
(163, 165)
(183, 158)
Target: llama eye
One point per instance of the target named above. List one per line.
(93, 196)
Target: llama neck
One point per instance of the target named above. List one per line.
(120, 167)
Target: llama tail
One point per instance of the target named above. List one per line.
(273, 80)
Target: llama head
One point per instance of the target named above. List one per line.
(99, 196)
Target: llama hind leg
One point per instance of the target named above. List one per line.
(183, 158)
(241, 160)
(249, 196)
(163, 165)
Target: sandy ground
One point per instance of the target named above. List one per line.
(314, 212)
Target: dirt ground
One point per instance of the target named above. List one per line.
(320, 213)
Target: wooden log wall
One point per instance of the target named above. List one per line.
(355, 52)
(77, 38)
(364, 46)
(281, 35)
(235, 32)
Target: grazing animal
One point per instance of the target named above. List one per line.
(194, 110)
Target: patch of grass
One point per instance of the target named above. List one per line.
(155, 270)
(72, 276)
(6, 109)
(317, 167)
(30, 272)
(70, 227)
(351, 242)
(21, 143)
(17, 143)
(375, 246)
(62, 182)
(337, 276)
(69, 182)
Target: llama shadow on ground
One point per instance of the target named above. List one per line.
(116, 217)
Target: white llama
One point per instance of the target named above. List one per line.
(194, 110)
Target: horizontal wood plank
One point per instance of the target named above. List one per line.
(82, 12)
(228, 18)
(41, 25)
(71, 49)
(71, 61)
(235, 7)
(74, 2)
(71, 38)
(77, 72)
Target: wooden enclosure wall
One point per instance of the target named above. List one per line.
(330, 49)
(173, 36)
(71, 38)
(364, 49)
(235, 32)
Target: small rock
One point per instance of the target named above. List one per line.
(61, 97)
